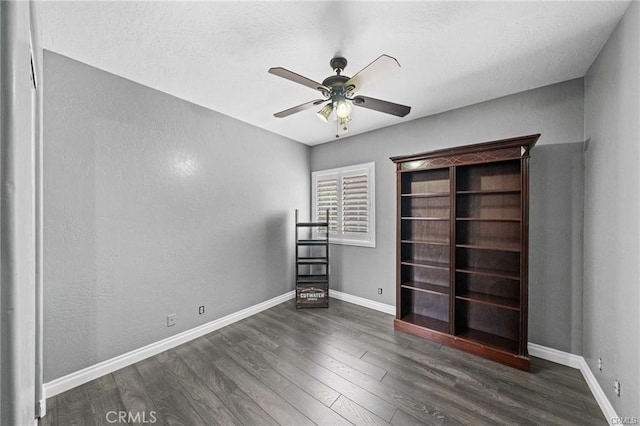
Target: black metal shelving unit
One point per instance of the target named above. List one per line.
(312, 264)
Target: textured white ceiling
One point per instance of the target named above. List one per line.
(216, 54)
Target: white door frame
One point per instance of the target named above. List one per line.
(17, 218)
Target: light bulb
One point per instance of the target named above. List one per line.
(325, 112)
(343, 108)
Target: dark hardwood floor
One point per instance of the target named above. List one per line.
(334, 366)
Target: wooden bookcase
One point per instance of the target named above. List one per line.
(462, 247)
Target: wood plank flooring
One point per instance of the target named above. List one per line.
(335, 366)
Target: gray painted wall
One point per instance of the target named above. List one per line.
(612, 212)
(155, 206)
(556, 112)
(555, 241)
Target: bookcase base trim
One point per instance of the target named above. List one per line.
(518, 361)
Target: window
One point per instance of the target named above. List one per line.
(347, 194)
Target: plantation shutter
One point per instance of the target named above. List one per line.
(349, 196)
(355, 204)
(327, 199)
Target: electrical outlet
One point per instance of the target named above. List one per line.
(201, 310)
(616, 387)
(379, 290)
(171, 320)
(600, 364)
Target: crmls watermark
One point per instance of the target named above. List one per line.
(624, 420)
(130, 417)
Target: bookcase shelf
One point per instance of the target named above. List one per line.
(489, 192)
(489, 299)
(487, 219)
(489, 272)
(462, 247)
(426, 264)
(425, 218)
(427, 322)
(427, 287)
(501, 247)
(489, 339)
(428, 195)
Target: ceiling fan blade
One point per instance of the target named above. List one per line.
(297, 78)
(301, 107)
(373, 72)
(382, 106)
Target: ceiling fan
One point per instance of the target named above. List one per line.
(339, 91)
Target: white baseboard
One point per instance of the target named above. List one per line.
(41, 408)
(85, 375)
(602, 400)
(554, 355)
(361, 301)
(578, 362)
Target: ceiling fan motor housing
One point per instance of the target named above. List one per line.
(338, 64)
(336, 82)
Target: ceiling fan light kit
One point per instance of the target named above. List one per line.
(325, 112)
(339, 91)
(343, 108)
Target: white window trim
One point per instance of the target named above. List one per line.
(370, 239)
